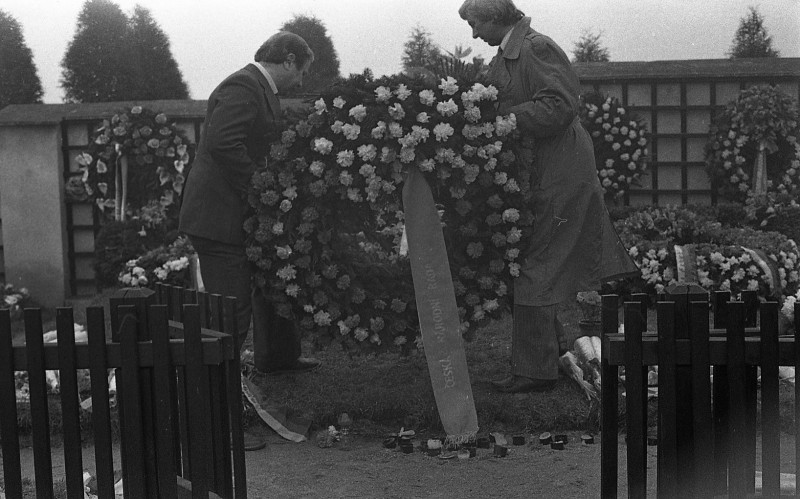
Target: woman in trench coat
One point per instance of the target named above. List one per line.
(573, 247)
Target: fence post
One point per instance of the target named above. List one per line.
(750, 300)
(720, 401)
(770, 405)
(134, 474)
(635, 400)
(197, 398)
(667, 469)
(71, 428)
(609, 448)
(34, 346)
(101, 412)
(737, 476)
(703, 442)
(12, 466)
(682, 295)
(796, 388)
(138, 300)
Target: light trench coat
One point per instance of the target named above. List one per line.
(574, 246)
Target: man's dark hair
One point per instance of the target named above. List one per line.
(280, 45)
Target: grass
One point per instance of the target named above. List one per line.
(395, 391)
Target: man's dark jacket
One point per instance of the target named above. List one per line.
(240, 119)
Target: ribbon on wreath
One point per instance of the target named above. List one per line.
(686, 263)
(121, 184)
(437, 311)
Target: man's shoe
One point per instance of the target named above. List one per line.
(521, 384)
(253, 441)
(504, 382)
(301, 365)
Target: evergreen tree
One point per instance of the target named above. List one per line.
(420, 51)
(156, 73)
(589, 49)
(325, 68)
(751, 39)
(96, 66)
(19, 83)
(114, 58)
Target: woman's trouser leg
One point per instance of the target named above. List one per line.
(534, 342)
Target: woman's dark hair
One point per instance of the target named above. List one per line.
(280, 45)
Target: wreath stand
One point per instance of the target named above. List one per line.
(121, 185)
(760, 167)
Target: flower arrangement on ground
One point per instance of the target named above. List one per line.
(329, 218)
(726, 258)
(620, 144)
(119, 241)
(762, 118)
(168, 264)
(158, 152)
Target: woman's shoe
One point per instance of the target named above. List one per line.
(521, 384)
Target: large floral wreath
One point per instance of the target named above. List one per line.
(158, 152)
(327, 233)
(762, 117)
(620, 144)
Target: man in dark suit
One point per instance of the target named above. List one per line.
(241, 119)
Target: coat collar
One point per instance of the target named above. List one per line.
(518, 34)
(272, 99)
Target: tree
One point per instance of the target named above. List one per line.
(96, 66)
(451, 64)
(751, 39)
(589, 49)
(19, 83)
(420, 51)
(325, 68)
(157, 75)
(114, 58)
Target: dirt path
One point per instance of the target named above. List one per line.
(289, 470)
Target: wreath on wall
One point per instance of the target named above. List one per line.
(327, 234)
(135, 157)
(753, 147)
(620, 144)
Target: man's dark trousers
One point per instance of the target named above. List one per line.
(226, 270)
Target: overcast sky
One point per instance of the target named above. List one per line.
(212, 38)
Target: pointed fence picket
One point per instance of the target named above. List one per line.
(178, 392)
(706, 376)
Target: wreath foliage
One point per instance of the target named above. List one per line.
(765, 115)
(159, 157)
(328, 224)
(620, 144)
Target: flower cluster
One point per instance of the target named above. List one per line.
(657, 223)
(787, 311)
(169, 264)
(727, 259)
(329, 217)
(761, 118)
(158, 152)
(656, 261)
(620, 144)
(13, 299)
